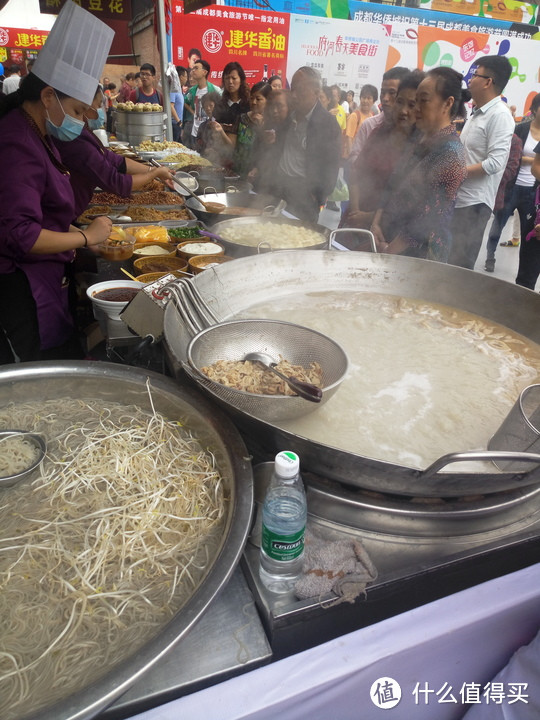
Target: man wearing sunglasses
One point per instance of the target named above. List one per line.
(486, 137)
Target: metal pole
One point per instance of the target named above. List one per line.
(163, 60)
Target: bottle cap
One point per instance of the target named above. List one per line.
(287, 464)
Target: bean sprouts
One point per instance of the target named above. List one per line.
(102, 548)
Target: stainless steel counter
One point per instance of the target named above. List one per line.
(228, 640)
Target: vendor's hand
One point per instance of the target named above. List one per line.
(98, 230)
(269, 137)
(380, 240)
(163, 173)
(358, 219)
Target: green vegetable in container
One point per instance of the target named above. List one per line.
(184, 233)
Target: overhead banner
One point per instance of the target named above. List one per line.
(462, 51)
(514, 11)
(405, 22)
(257, 39)
(115, 9)
(345, 53)
(22, 38)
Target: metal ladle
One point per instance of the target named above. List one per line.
(305, 390)
(211, 207)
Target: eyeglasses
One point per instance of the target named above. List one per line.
(486, 77)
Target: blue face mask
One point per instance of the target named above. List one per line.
(97, 123)
(70, 129)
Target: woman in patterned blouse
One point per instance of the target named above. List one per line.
(417, 207)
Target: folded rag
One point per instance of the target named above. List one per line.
(337, 565)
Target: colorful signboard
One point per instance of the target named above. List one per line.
(257, 39)
(390, 15)
(514, 11)
(23, 39)
(346, 54)
(116, 9)
(463, 50)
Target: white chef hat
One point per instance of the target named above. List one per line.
(75, 52)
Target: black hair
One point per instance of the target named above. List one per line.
(499, 70)
(535, 104)
(194, 51)
(370, 90)
(111, 86)
(262, 87)
(449, 83)
(181, 70)
(396, 73)
(351, 92)
(29, 89)
(14, 69)
(328, 92)
(130, 76)
(149, 67)
(244, 87)
(412, 80)
(205, 64)
(274, 77)
(137, 76)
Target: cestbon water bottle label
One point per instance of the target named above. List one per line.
(282, 547)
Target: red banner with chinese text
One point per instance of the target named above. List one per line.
(22, 38)
(115, 9)
(254, 38)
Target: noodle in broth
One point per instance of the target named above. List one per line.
(424, 379)
(103, 548)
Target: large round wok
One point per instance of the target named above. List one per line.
(235, 249)
(246, 202)
(115, 383)
(232, 288)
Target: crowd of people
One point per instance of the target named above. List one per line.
(421, 187)
(427, 181)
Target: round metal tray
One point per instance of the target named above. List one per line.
(115, 383)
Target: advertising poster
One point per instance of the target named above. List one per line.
(405, 22)
(21, 39)
(257, 39)
(514, 11)
(319, 8)
(346, 54)
(463, 50)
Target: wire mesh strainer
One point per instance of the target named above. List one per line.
(299, 345)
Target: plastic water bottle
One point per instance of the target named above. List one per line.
(283, 525)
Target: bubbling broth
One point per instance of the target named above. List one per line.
(103, 548)
(424, 379)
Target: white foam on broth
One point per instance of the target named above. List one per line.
(424, 379)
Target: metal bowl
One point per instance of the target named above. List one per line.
(114, 383)
(297, 344)
(39, 443)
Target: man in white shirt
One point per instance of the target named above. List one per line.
(13, 81)
(486, 137)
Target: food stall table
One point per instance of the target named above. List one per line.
(461, 639)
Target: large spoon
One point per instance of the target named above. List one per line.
(211, 207)
(303, 389)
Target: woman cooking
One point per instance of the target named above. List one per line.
(417, 207)
(91, 165)
(37, 240)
